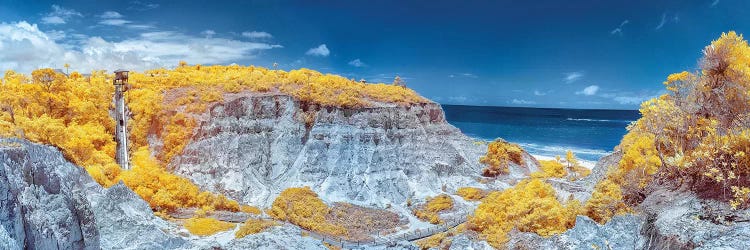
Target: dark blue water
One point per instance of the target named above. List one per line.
(590, 134)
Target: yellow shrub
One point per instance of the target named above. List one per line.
(432, 241)
(499, 155)
(253, 226)
(302, 207)
(530, 206)
(471, 193)
(431, 209)
(606, 201)
(550, 168)
(207, 226)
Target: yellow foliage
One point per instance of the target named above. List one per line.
(207, 226)
(250, 209)
(165, 191)
(550, 169)
(435, 240)
(605, 202)
(302, 207)
(696, 134)
(253, 226)
(530, 206)
(499, 155)
(431, 209)
(471, 193)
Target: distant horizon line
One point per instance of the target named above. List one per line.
(490, 106)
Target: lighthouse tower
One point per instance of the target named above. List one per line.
(121, 133)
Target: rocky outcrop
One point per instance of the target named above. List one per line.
(281, 237)
(252, 146)
(125, 221)
(42, 204)
(678, 219)
(48, 203)
(622, 232)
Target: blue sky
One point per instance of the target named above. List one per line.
(574, 54)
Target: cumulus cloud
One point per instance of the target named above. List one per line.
(257, 34)
(60, 15)
(572, 76)
(588, 91)
(26, 47)
(321, 50)
(357, 63)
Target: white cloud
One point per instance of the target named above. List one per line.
(142, 6)
(522, 102)
(114, 22)
(321, 50)
(662, 22)
(714, 3)
(26, 48)
(618, 30)
(208, 33)
(630, 99)
(458, 99)
(59, 15)
(588, 91)
(539, 93)
(572, 76)
(257, 34)
(357, 63)
(110, 15)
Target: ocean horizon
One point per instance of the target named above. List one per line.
(589, 133)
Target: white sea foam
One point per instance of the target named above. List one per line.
(598, 120)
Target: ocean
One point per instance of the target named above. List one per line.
(590, 134)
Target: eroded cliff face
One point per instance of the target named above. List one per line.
(42, 199)
(252, 146)
(47, 202)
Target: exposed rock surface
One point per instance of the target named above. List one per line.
(622, 232)
(679, 219)
(48, 203)
(281, 237)
(125, 221)
(253, 146)
(42, 204)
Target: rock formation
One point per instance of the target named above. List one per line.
(252, 146)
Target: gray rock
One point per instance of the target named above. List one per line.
(6, 242)
(41, 205)
(622, 232)
(679, 219)
(281, 237)
(252, 146)
(125, 221)
(462, 242)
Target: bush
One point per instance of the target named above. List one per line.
(253, 226)
(431, 209)
(499, 155)
(471, 193)
(530, 206)
(696, 134)
(302, 207)
(207, 226)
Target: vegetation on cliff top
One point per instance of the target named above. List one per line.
(72, 113)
